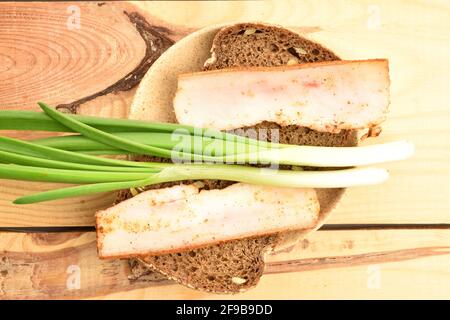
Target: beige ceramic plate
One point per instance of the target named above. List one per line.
(154, 96)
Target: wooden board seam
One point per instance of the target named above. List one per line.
(326, 227)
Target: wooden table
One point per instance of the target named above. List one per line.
(388, 241)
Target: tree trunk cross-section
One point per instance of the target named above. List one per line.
(68, 54)
(84, 57)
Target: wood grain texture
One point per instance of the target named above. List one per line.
(352, 264)
(65, 212)
(52, 51)
(417, 43)
(420, 278)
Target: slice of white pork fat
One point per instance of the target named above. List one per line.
(325, 96)
(183, 217)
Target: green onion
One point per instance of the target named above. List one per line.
(72, 159)
(333, 156)
(30, 149)
(39, 121)
(78, 191)
(105, 152)
(9, 157)
(288, 155)
(292, 155)
(169, 141)
(110, 139)
(28, 173)
(279, 178)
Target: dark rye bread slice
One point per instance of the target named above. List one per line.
(260, 45)
(237, 265)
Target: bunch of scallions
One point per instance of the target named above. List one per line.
(196, 153)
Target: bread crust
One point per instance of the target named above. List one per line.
(281, 68)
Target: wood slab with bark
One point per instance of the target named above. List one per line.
(82, 57)
(375, 263)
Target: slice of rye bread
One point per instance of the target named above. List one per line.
(237, 265)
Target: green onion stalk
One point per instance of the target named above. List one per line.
(198, 154)
(102, 181)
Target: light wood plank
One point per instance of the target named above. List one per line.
(66, 58)
(66, 212)
(418, 47)
(328, 264)
(417, 44)
(425, 278)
